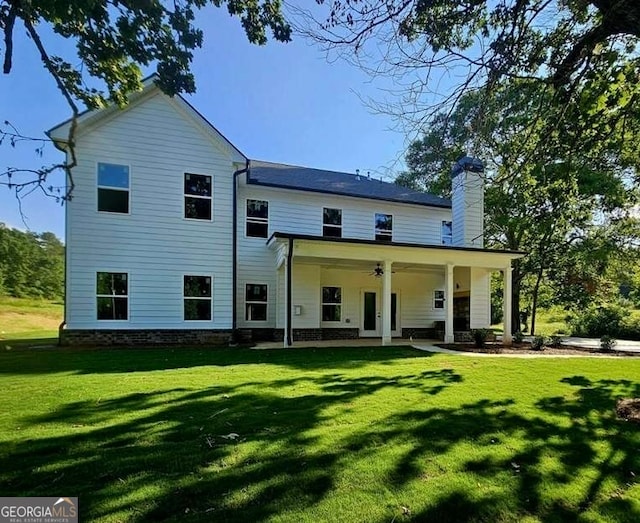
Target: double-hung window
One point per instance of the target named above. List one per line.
(332, 222)
(197, 196)
(257, 218)
(113, 188)
(256, 302)
(438, 299)
(384, 227)
(447, 233)
(112, 295)
(331, 304)
(197, 298)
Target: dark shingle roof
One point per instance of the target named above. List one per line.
(332, 182)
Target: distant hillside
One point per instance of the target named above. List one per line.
(31, 265)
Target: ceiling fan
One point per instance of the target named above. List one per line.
(378, 271)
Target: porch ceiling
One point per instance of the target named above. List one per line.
(332, 251)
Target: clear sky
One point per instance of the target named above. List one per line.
(281, 102)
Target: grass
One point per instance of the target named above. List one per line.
(24, 318)
(548, 322)
(367, 434)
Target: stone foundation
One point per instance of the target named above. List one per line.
(142, 337)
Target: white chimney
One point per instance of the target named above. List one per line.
(467, 202)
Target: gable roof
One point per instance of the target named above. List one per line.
(318, 180)
(91, 117)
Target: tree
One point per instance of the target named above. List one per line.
(114, 38)
(541, 194)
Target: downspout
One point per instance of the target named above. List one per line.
(234, 284)
(289, 264)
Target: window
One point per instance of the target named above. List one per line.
(197, 196)
(331, 303)
(113, 188)
(447, 233)
(438, 299)
(257, 218)
(256, 302)
(332, 222)
(384, 227)
(112, 295)
(197, 298)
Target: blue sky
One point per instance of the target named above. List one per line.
(280, 102)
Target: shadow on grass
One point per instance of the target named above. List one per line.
(112, 360)
(251, 451)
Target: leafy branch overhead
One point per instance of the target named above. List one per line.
(113, 40)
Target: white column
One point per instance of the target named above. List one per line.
(285, 343)
(507, 338)
(448, 305)
(386, 303)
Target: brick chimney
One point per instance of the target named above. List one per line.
(467, 202)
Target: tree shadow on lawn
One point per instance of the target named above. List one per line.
(236, 453)
(118, 360)
(173, 454)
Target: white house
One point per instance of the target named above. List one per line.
(174, 236)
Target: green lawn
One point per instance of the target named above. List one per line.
(24, 318)
(368, 434)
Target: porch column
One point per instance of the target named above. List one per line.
(386, 303)
(507, 338)
(448, 305)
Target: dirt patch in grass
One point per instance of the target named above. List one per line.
(628, 409)
(525, 348)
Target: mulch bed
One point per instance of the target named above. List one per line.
(525, 348)
(628, 409)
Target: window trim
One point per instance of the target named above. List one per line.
(322, 304)
(98, 187)
(438, 300)
(442, 231)
(375, 228)
(338, 227)
(246, 218)
(210, 298)
(128, 295)
(244, 297)
(185, 196)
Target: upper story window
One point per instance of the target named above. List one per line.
(384, 227)
(257, 218)
(113, 188)
(256, 302)
(197, 298)
(112, 295)
(447, 233)
(197, 196)
(332, 222)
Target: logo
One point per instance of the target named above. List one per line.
(38, 510)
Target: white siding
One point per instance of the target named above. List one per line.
(480, 304)
(468, 209)
(154, 243)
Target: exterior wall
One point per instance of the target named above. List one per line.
(467, 203)
(301, 213)
(480, 305)
(154, 244)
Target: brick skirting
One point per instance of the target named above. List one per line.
(428, 333)
(140, 337)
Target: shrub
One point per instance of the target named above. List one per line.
(607, 343)
(596, 321)
(555, 341)
(480, 337)
(630, 327)
(518, 337)
(538, 343)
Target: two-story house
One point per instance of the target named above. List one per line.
(174, 236)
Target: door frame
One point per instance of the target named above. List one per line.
(377, 333)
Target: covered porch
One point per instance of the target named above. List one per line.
(334, 288)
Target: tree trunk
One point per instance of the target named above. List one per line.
(534, 301)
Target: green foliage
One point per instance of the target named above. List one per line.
(518, 337)
(596, 321)
(113, 40)
(31, 265)
(607, 343)
(555, 341)
(538, 342)
(480, 336)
